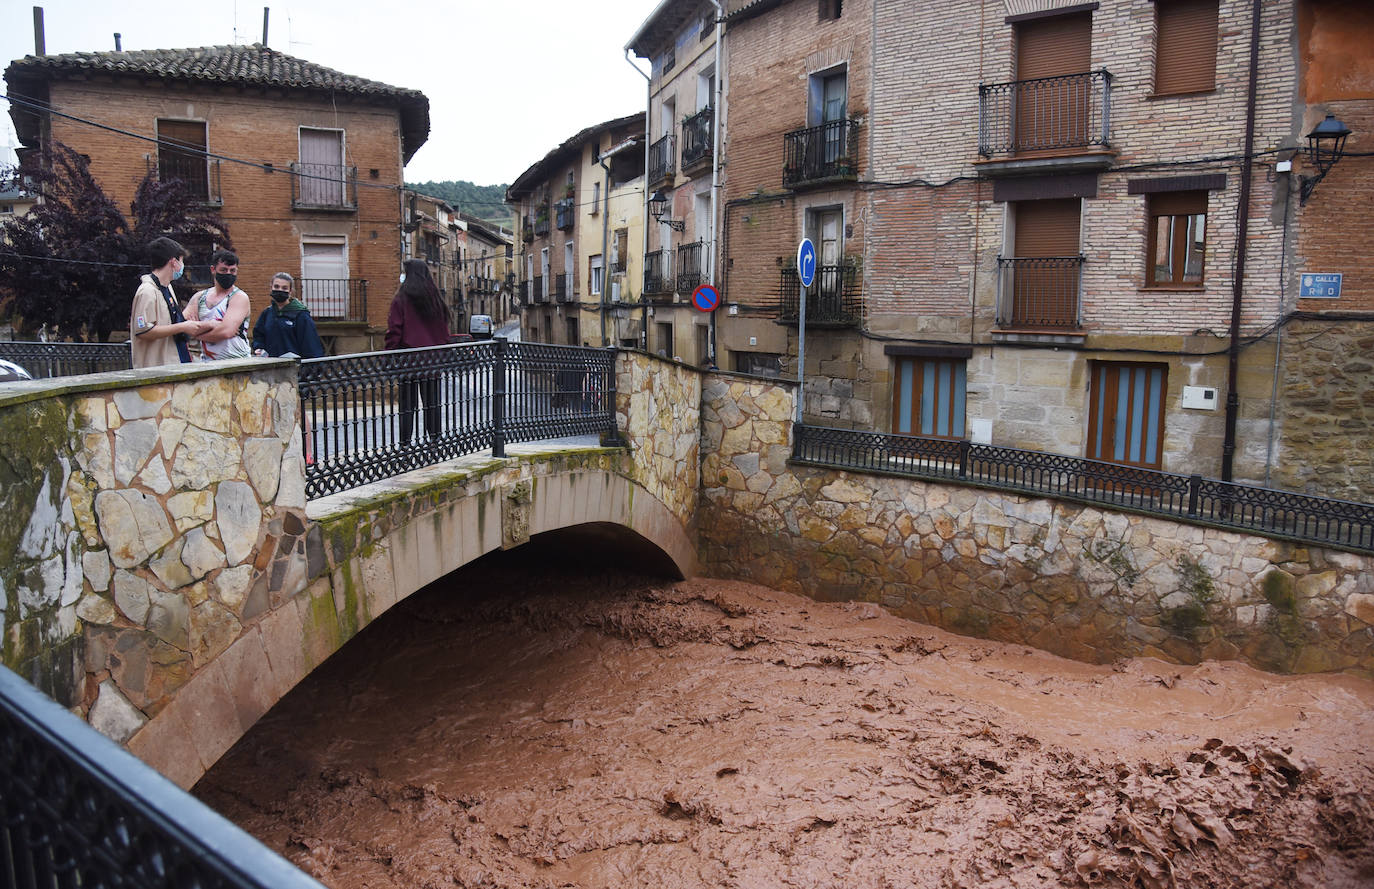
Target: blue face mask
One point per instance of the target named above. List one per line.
(403, 278)
(177, 274)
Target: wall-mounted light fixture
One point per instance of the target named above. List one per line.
(1325, 146)
(658, 208)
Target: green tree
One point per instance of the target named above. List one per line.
(73, 262)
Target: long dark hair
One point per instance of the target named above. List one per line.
(419, 289)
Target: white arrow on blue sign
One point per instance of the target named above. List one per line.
(806, 262)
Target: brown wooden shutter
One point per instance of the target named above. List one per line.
(1053, 46)
(1047, 228)
(190, 133)
(1178, 203)
(1185, 46)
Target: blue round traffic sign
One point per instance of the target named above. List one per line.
(806, 262)
(705, 298)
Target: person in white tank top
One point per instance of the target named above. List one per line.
(227, 307)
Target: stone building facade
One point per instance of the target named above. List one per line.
(319, 196)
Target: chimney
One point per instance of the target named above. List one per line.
(118, 46)
(40, 46)
(265, 11)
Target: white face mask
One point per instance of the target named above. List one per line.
(403, 278)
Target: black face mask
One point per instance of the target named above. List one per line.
(280, 296)
(225, 281)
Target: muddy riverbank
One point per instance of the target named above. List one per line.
(537, 730)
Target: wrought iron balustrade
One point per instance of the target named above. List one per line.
(696, 138)
(826, 152)
(524, 293)
(662, 159)
(833, 298)
(46, 360)
(690, 268)
(527, 228)
(562, 288)
(323, 187)
(363, 422)
(78, 810)
(658, 272)
(1072, 111)
(541, 222)
(335, 299)
(1183, 498)
(200, 174)
(1039, 292)
(565, 210)
(538, 293)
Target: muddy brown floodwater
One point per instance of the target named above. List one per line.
(532, 729)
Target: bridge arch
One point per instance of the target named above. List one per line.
(384, 542)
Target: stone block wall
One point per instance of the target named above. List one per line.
(153, 516)
(658, 410)
(1067, 578)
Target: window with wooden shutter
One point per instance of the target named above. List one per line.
(1045, 270)
(1178, 238)
(1053, 99)
(1185, 46)
(181, 155)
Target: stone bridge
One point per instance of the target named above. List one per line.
(169, 581)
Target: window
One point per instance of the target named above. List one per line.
(830, 10)
(760, 364)
(929, 397)
(596, 198)
(1126, 413)
(324, 277)
(1185, 46)
(619, 250)
(703, 344)
(828, 97)
(574, 336)
(1178, 238)
(321, 168)
(665, 338)
(181, 156)
(594, 275)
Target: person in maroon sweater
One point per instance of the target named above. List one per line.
(418, 318)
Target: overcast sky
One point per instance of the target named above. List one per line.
(507, 80)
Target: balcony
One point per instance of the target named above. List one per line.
(324, 187)
(563, 288)
(832, 300)
(658, 272)
(662, 161)
(696, 142)
(564, 211)
(1045, 125)
(523, 293)
(200, 175)
(541, 222)
(821, 155)
(689, 267)
(527, 228)
(335, 299)
(1039, 295)
(539, 295)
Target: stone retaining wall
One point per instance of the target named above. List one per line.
(1070, 579)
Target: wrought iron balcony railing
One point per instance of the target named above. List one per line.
(662, 159)
(562, 288)
(821, 154)
(200, 175)
(690, 270)
(335, 299)
(566, 211)
(1039, 292)
(658, 268)
(538, 293)
(834, 298)
(541, 221)
(696, 139)
(1072, 111)
(527, 228)
(324, 187)
(523, 293)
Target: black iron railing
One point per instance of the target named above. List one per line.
(833, 298)
(199, 174)
(335, 299)
(1183, 498)
(662, 160)
(690, 269)
(563, 289)
(1039, 292)
(541, 221)
(368, 417)
(537, 292)
(527, 228)
(45, 360)
(826, 152)
(658, 271)
(1046, 114)
(323, 187)
(523, 294)
(565, 211)
(77, 810)
(696, 138)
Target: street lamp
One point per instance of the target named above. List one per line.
(658, 208)
(1325, 146)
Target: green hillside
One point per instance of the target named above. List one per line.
(486, 202)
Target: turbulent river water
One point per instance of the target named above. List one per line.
(522, 726)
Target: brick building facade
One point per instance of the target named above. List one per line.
(1034, 214)
(303, 163)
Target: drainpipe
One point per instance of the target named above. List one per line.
(716, 114)
(648, 107)
(605, 243)
(1228, 447)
